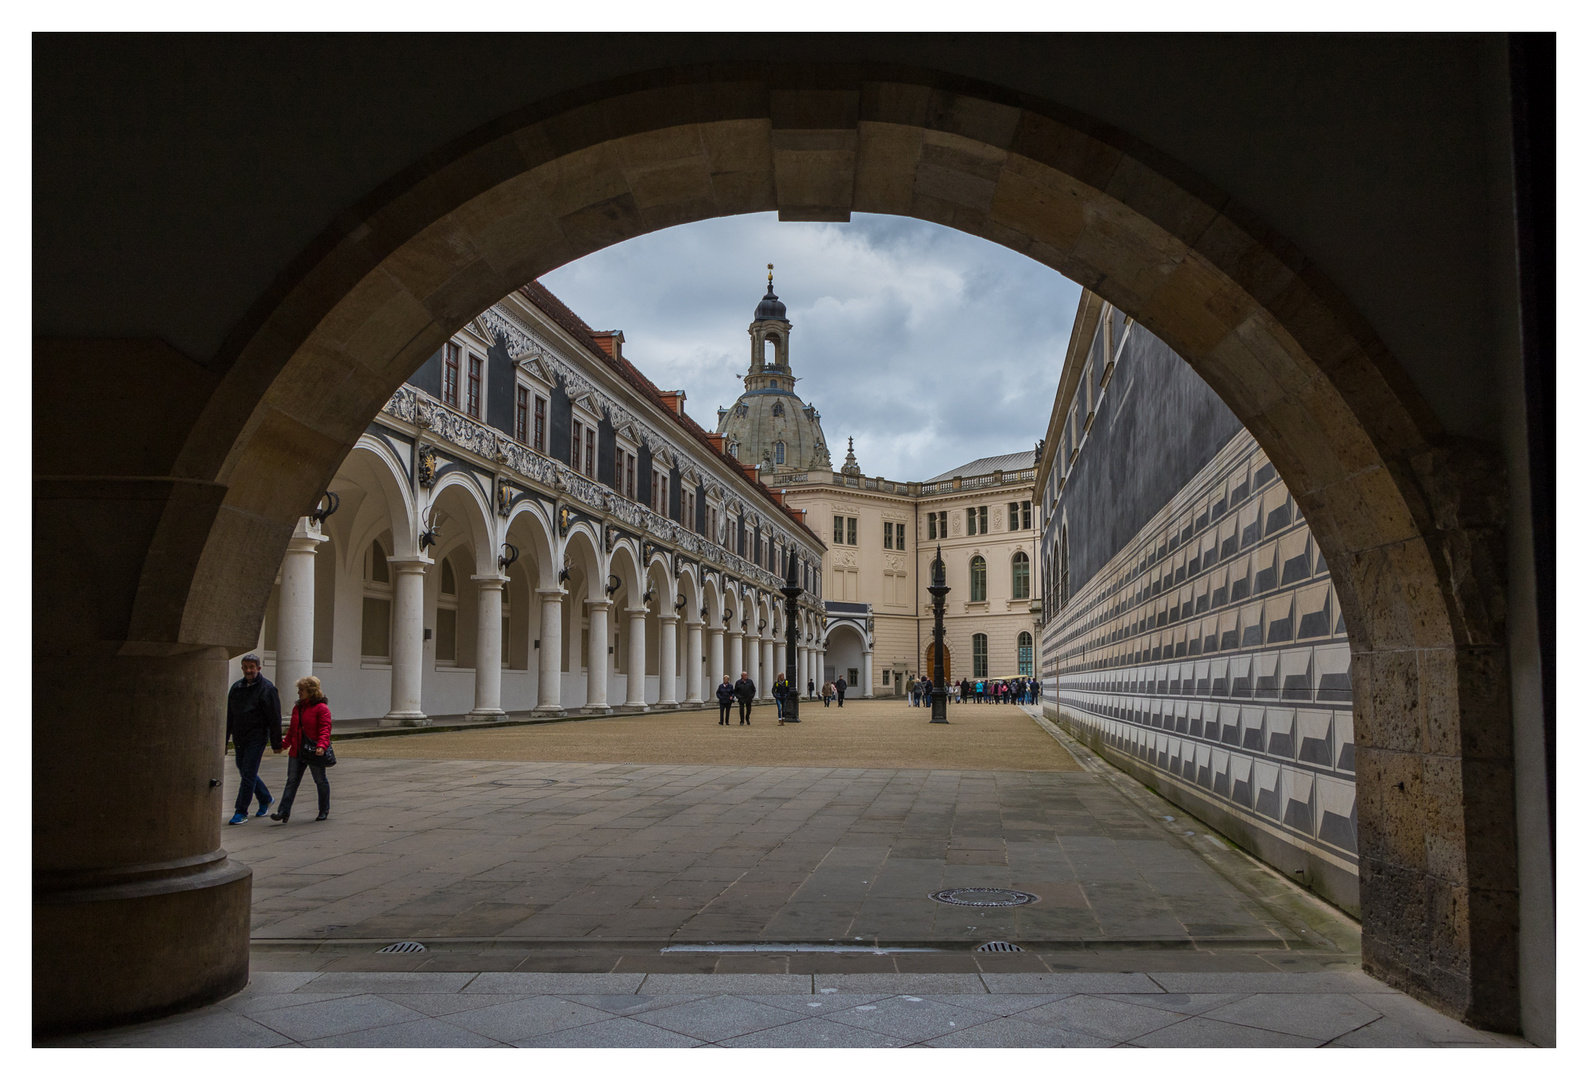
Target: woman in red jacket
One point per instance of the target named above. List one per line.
(307, 738)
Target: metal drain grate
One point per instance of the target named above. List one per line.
(999, 946)
(984, 897)
(403, 946)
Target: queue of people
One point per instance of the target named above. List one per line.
(1000, 691)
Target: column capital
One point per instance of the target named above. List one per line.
(409, 564)
(636, 612)
(598, 605)
(551, 594)
(489, 581)
(304, 545)
(667, 618)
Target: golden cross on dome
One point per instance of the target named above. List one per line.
(769, 275)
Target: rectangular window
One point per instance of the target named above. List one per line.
(376, 631)
(838, 530)
(853, 532)
(942, 524)
(475, 364)
(521, 414)
(589, 452)
(898, 537)
(449, 375)
(887, 535)
(628, 474)
(931, 526)
(1025, 514)
(982, 523)
(1014, 516)
(656, 489)
(540, 423)
(577, 445)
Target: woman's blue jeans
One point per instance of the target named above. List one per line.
(295, 769)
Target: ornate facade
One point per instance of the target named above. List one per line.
(882, 536)
(530, 525)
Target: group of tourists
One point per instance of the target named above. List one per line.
(997, 691)
(1000, 691)
(253, 721)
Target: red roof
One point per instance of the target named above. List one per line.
(540, 296)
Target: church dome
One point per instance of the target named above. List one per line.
(770, 307)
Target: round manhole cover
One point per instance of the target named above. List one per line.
(984, 897)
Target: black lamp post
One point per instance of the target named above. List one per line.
(791, 590)
(938, 590)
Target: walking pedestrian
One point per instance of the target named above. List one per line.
(780, 694)
(810, 689)
(924, 688)
(744, 690)
(828, 691)
(840, 686)
(308, 737)
(253, 718)
(724, 701)
(909, 688)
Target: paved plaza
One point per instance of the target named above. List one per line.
(715, 897)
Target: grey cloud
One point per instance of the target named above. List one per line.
(929, 346)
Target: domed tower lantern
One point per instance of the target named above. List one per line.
(769, 366)
(769, 426)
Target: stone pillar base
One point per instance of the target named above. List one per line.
(628, 709)
(486, 714)
(593, 710)
(549, 710)
(417, 719)
(140, 949)
(665, 706)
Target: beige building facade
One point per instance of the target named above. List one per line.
(882, 536)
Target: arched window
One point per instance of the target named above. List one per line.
(978, 579)
(769, 351)
(1064, 565)
(1022, 576)
(781, 452)
(447, 616)
(375, 633)
(775, 385)
(777, 406)
(1023, 651)
(978, 655)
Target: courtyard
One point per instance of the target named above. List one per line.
(663, 881)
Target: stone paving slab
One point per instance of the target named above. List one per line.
(594, 1010)
(712, 853)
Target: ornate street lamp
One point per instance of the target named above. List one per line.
(938, 590)
(791, 590)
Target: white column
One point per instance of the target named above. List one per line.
(407, 641)
(636, 659)
(596, 679)
(752, 660)
(715, 668)
(667, 661)
(295, 616)
(768, 668)
(735, 655)
(550, 691)
(780, 657)
(865, 673)
(488, 647)
(692, 664)
(803, 656)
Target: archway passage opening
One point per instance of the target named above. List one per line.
(1303, 373)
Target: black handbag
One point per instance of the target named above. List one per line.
(327, 759)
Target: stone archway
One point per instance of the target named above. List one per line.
(1405, 516)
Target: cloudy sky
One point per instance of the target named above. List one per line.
(929, 346)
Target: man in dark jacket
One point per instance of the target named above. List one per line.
(724, 700)
(840, 686)
(253, 718)
(744, 690)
